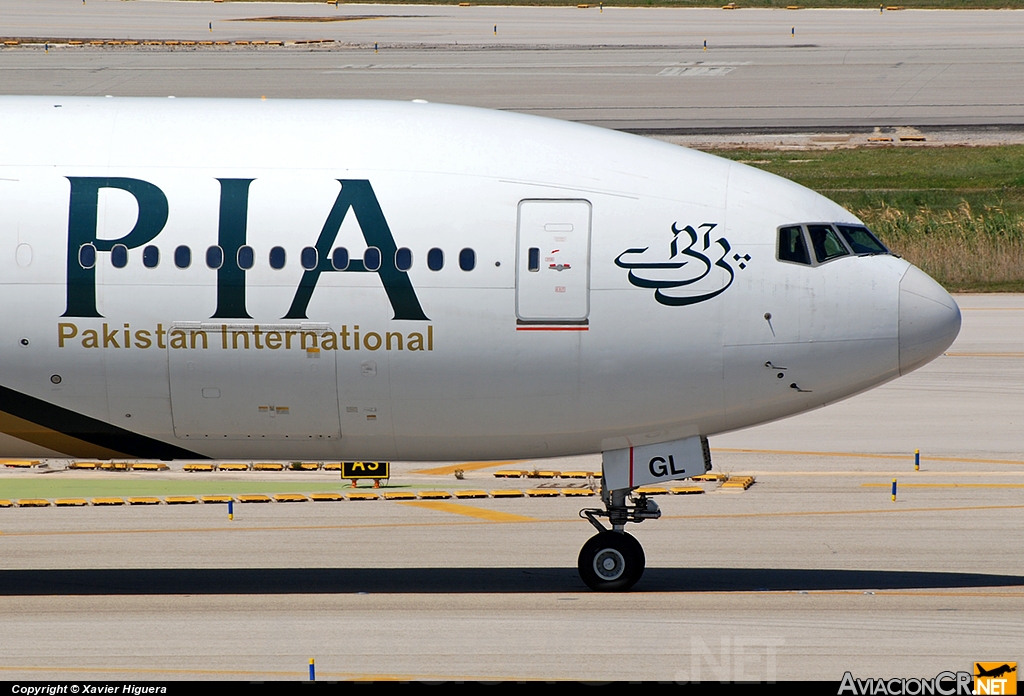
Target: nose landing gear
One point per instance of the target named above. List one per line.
(612, 560)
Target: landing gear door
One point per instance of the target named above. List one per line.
(553, 262)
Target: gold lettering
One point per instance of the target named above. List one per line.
(90, 339)
(202, 334)
(64, 332)
(177, 338)
(142, 339)
(375, 339)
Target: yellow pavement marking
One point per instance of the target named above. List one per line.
(945, 485)
(469, 511)
(465, 466)
(862, 455)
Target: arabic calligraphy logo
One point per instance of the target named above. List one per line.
(689, 276)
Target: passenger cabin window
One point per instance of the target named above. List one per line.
(467, 259)
(371, 259)
(403, 259)
(339, 259)
(792, 247)
(183, 257)
(533, 259)
(278, 258)
(119, 256)
(150, 257)
(826, 243)
(214, 257)
(309, 258)
(87, 256)
(246, 258)
(435, 259)
(861, 240)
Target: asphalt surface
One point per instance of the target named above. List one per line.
(641, 69)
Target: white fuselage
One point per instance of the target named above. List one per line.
(592, 318)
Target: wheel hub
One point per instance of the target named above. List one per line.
(609, 564)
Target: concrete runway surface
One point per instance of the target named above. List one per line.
(811, 572)
(641, 69)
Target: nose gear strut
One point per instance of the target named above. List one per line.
(613, 560)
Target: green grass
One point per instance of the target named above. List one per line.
(956, 212)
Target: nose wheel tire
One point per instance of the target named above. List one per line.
(611, 562)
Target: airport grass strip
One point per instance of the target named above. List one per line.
(955, 212)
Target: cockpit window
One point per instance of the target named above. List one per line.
(861, 240)
(826, 243)
(792, 246)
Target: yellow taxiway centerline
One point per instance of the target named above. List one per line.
(469, 511)
(465, 466)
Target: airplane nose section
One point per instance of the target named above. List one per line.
(929, 320)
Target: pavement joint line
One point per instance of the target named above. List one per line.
(985, 355)
(468, 510)
(348, 676)
(566, 520)
(864, 455)
(826, 513)
(843, 593)
(288, 528)
(143, 670)
(945, 485)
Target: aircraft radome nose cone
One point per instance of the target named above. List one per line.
(929, 320)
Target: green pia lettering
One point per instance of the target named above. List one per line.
(356, 195)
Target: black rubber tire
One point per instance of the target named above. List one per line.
(611, 562)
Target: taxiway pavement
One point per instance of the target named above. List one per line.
(642, 69)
